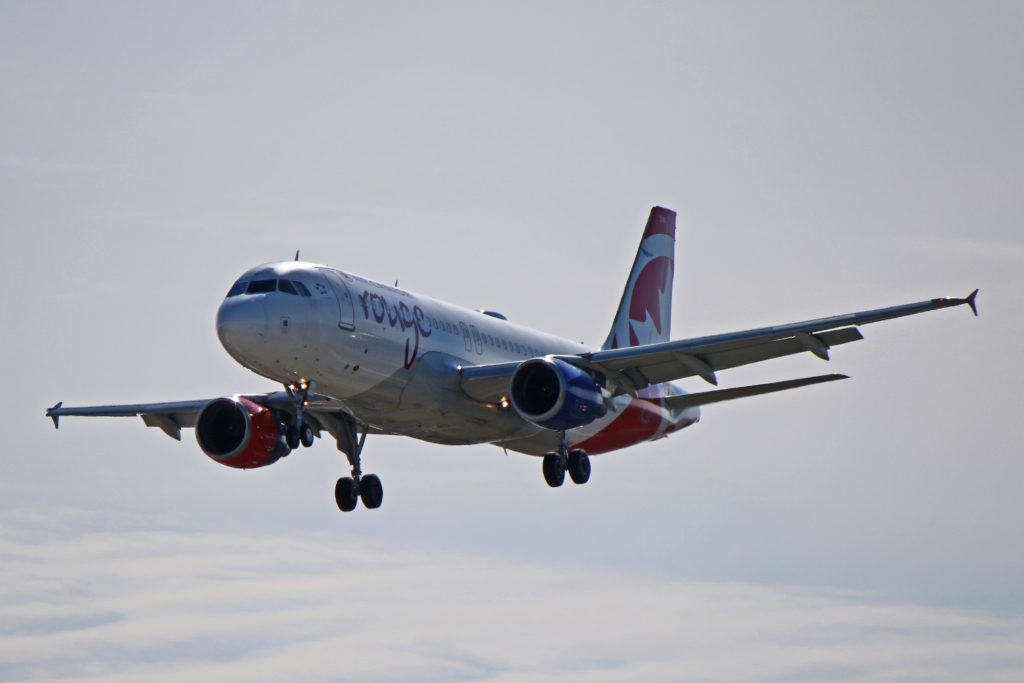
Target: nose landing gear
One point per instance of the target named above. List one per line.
(299, 433)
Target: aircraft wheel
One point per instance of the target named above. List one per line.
(306, 435)
(554, 470)
(291, 437)
(346, 494)
(371, 491)
(579, 466)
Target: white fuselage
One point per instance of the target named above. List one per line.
(392, 358)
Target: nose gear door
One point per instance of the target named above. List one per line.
(346, 307)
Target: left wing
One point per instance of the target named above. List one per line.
(630, 369)
(170, 416)
(173, 416)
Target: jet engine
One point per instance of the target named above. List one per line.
(555, 395)
(239, 433)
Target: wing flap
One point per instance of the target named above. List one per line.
(168, 422)
(746, 355)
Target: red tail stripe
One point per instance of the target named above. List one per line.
(661, 222)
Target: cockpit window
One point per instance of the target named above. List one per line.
(237, 288)
(293, 287)
(261, 286)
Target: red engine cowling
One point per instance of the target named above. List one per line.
(239, 433)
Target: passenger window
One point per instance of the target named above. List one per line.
(287, 287)
(261, 286)
(237, 288)
(301, 288)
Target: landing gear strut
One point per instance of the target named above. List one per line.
(300, 432)
(367, 487)
(576, 461)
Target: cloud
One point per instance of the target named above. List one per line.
(154, 605)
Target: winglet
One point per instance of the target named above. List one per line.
(970, 302)
(945, 302)
(50, 413)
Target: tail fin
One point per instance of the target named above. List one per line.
(645, 311)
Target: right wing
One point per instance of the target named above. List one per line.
(636, 367)
(630, 369)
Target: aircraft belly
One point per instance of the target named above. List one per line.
(426, 402)
(434, 407)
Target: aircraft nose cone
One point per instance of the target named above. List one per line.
(242, 325)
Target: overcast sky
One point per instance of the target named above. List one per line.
(823, 157)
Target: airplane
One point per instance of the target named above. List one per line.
(358, 357)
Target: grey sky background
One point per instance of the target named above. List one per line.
(824, 158)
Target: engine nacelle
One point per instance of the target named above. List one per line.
(239, 433)
(555, 395)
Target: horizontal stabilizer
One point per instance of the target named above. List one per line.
(714, 396)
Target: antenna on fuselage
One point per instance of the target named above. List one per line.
(296, 254)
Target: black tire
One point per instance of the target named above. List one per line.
(554, 470)
(579, 467)
(346, 494)
(371, 491)
(291, 437)
(306, 435)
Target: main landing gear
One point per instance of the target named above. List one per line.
(350, 435)
(366, 487)
(576, 462)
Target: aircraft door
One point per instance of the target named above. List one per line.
(466, 336)
(477, 339)
(346, 307)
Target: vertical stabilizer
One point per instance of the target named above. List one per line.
(645, 311)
